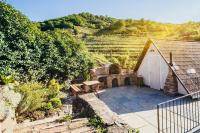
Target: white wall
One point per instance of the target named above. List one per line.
(181, 89)
(153, 65)
(163, 71)
(144, 70)
(147, 68)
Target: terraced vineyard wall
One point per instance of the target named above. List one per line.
(116, 46)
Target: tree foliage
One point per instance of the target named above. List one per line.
(82, 19)
(30, 54)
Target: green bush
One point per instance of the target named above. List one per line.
(118, 25)
(133, 131)
(99, 59)
(29, 54)
(66, 86)
(54, 85)
(114, 60)
(6, 79)
(66, 118)
(47, 106)
(34, 97)
(54, 88)
(56, 102)
(97, 122)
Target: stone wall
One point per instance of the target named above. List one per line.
(93, 106)
(133, 79)
(8, 124)
(111, 72)
(110, 79)
(121, 79)
(9, 100)
(99, 71)
(171, 85)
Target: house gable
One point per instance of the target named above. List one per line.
(142, 68)
(153, 69)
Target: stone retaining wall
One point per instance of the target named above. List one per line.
(8, 124)
(110, 118)
(171, 85)
(9, 100)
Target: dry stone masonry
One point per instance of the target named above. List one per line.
(171, 85)
(111, 75)
(8, 102)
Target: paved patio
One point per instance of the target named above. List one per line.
(136, 106)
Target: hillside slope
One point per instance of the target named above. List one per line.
(120, 41)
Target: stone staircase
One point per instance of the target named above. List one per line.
(171, 85)
(75, 126)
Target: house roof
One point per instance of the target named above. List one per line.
(186, 61)
(144, 51)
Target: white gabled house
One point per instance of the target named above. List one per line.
(172, 66)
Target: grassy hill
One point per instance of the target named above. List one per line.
(116, 40)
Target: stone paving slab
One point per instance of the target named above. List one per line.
(131, 105)
(135, 106)
(128, 105)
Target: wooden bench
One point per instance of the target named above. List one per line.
(75, 90)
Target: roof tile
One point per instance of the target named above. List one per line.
(185, 55)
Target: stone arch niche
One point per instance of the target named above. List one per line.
(103, 80)
(114, 69)
(127, 81)
(115, 82)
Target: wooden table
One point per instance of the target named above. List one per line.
(91, 86)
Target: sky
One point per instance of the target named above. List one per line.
(172, 11)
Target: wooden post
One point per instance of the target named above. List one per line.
(171, 61)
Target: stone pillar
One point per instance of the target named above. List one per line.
(121, 80)
(93, 75)
(109, 81)
(133, 78)
(171, 85)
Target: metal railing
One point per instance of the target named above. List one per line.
(180, 115)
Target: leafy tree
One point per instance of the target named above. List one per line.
(76, 20)
(114, 60)
(64, 57)
(19, 53)
(29, 54)
(82, 19)
(118, 25)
